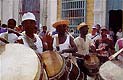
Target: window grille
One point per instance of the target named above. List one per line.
(75, 11)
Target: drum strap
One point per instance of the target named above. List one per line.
(57, 43)
(30, 42)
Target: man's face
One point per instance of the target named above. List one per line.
(29, 26)
(103, 32)
(94, 30)
(84, 30)
(11, 24)
(61, 29)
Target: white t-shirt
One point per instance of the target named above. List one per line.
(10, 37)
(65, 45)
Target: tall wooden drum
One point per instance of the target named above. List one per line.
(54, 63)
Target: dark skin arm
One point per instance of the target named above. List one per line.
(13, 31)
(3, 40)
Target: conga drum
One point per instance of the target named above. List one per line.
(54, 64)
(111, 70)
(92, 64)
(18, 62)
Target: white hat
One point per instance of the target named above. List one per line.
(94, 27)
(28, 16)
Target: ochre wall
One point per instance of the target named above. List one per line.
(90, 13)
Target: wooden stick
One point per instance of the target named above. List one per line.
(114, 55)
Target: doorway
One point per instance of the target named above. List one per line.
(115, 21)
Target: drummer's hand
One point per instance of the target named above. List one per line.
(48, 38)
(111, 57)
(92, 49)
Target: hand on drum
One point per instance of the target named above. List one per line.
(92, 49)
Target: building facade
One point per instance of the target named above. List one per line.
(44, 10)
(77, 11)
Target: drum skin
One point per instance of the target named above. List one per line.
(111, 70)
(18, 62)
(53, 62)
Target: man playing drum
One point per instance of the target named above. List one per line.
(104, 46)
(63, 43)
(83, 44)
(30, 39)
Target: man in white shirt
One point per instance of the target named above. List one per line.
(10, 36)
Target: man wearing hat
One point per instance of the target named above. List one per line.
(63, 42)
(104, 46)
(93, 35)
(83, 44)
(30, 39)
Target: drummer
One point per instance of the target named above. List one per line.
(104, 45)
(62, 41)
(83, 44)
(30, 39)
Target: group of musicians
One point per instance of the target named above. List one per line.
(77, 49)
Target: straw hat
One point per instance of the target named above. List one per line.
(81, 25)
(61, 22)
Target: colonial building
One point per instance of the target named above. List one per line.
(44, 10)
(103, 12)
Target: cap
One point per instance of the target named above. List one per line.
(28, 16)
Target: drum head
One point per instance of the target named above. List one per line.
(17, 62)
(111, 71)
(53, 62)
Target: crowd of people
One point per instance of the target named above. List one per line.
(99, 42)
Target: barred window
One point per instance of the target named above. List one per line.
(74, 10)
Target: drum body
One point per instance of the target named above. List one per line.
(19, 63)
(58, 68)
(111, 70)
(92, 64)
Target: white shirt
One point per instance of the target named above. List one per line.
(10, 37)
(65, 45)
(38, 43)
(83, 45)
(93, 38)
